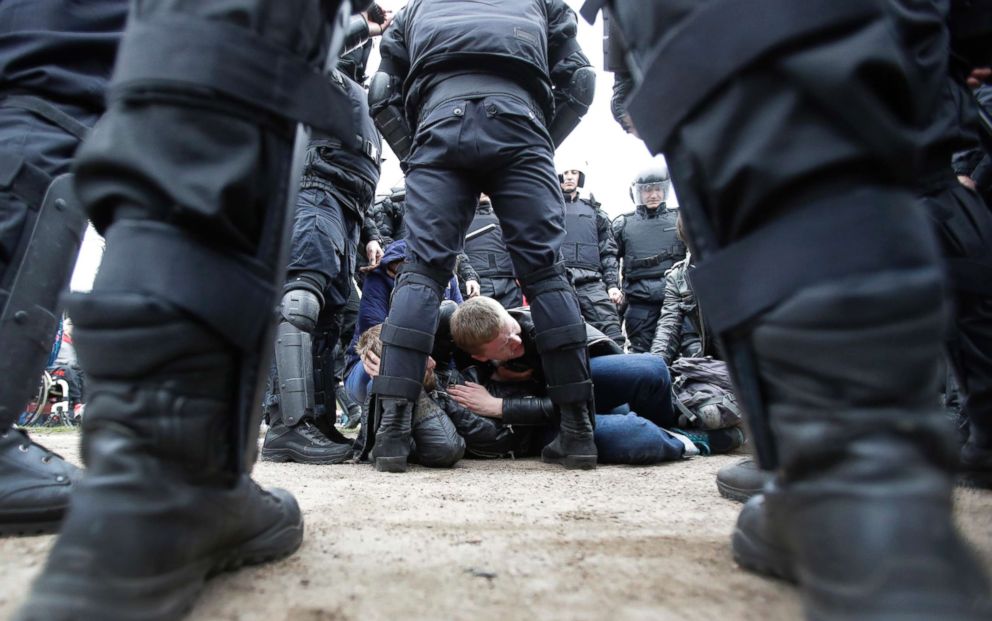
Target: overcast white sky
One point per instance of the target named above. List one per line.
(611, 158)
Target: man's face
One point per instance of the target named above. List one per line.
(570, 181)
(506, 346)
(652, 194)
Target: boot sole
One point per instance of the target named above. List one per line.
(757, 557)
(390, 464)
(167, 597)
(289, 455)
(975, 480)
(735, 493)
(572, 462)
(27, 522)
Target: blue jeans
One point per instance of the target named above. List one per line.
(640, 381)
(630, 439)
(357, 383)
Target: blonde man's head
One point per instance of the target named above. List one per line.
(476, 322)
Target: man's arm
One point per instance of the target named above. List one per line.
(467, 274)
(609, 265)
(386, 88)
(572, 75)
(668, 335)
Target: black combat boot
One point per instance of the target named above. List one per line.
(976, 460)
(742, 480)
(394, 420)
(35, 484)
(303, 443)
(164, 503)
(860, 512)
(574, 446)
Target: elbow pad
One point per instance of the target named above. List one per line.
(389, 117)
(578, 96)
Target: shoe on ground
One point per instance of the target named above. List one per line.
(35, 485)
(742, 480)
(303, 443)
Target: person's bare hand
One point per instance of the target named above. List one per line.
(370, 362)
(373, 251)
(472, 288)
(979, 76)
(616, 295)
(376, 30)
(476, 398)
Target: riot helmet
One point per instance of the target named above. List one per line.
(651, 187)
(581, 182)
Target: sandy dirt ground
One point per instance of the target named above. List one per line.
(496, 540)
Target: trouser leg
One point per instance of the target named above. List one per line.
(964, 229)
(174, 351)
(641, 321)
(599, 310)
(436, 230)
(835, 361)
(532, 218)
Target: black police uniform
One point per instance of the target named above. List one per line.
(964, 228)
(590, 252)
(648, 247)
(55, 62)
(821, 275)
(189, 175)
(487, 253)
(477, 82)
(337, 187)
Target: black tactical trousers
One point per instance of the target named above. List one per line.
(506, 291)
(599, 310)
(964, 228)
(495, 145)
(641, 321)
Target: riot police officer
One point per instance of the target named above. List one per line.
(590, 253)
(175, 333)
(488, 256)
(490, 90)
(820, 275)
(337, 187)
(51, 98)
(648, 246)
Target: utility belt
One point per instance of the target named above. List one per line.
(476, 86)
(652, 261)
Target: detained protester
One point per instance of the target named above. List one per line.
(435, 442)
(509, 388)
(373, 309)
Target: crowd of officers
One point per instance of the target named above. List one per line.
(811, 141)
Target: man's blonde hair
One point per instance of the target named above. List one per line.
(476, 322)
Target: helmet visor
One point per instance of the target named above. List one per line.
(651, 194)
